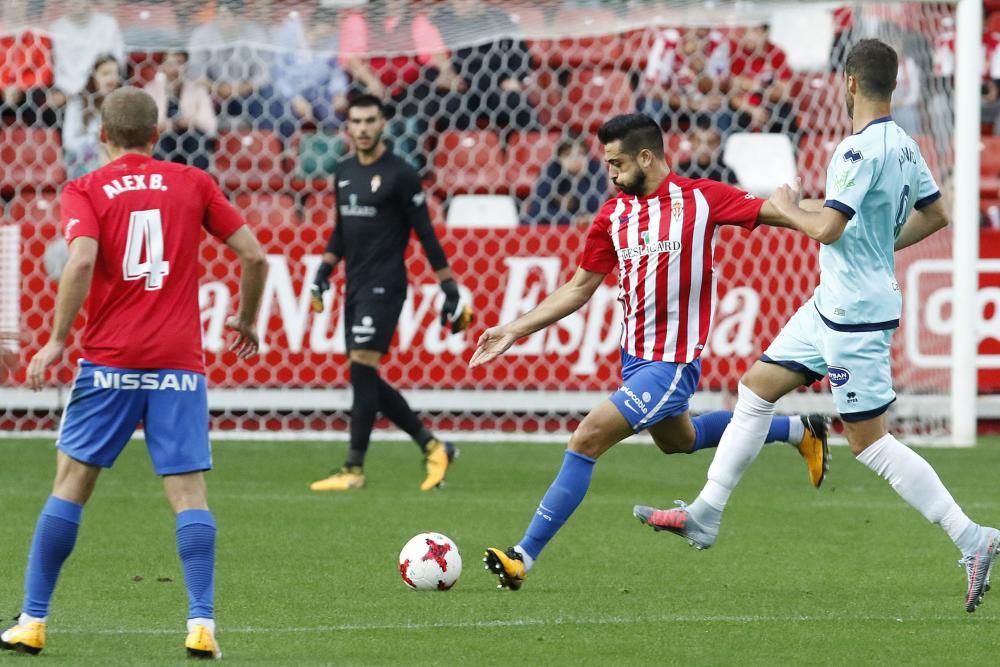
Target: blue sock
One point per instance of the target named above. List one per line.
(708, 429)
(55, 535)
(559, 502)
(196, 547)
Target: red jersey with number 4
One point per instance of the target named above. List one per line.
(147, 217)
(663, 246)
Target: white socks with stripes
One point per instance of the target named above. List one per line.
(916, 482)
(739, 446)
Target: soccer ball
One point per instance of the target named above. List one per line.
(430, 562)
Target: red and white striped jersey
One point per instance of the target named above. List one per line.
(663, 246)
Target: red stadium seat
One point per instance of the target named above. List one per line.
(249, 160)
(319, 211)
(989, 164)
(591, 96)
(527, 155)
(265, 209)
(30, 158)
(35, 207)
(813, 158)
(147, 16)
(677, 147)
(929, 151)
(820, 99)
(469, 163)
(590, 48)
(992, 23)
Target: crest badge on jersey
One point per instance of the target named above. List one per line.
(376, 183)
(677, 211)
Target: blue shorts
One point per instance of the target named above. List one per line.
(651, 391)
(859, 363)
(107, 404)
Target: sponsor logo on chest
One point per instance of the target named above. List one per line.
(352, 208)
(649, 246)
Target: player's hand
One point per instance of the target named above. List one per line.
(246, 342)
(321, 283)
(459, 315)
(494, 342)
(44, 358)
(786, 197)
(8, 362)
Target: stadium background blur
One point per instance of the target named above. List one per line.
(496, 104)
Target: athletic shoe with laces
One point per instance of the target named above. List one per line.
(348, 478)
(814, 448)
(677, 521)
(508, 566)
(978, 566)
(437, 460)
(27, 637)
(200, 643)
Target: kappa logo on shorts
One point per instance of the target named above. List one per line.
(839, 376)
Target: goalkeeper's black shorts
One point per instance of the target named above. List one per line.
(369, 324)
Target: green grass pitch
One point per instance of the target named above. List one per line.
(846, 575)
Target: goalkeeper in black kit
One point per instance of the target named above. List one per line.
(379, 201)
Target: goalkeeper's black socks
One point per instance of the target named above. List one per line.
(365, 383)
(394, 406)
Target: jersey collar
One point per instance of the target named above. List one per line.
(883, 119)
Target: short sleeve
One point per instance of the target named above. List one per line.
(221, 219)
(928, 191)
(848, 180)
(599, 254)
(730, 206)
(78, 215)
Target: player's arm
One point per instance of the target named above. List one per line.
(824, 225)
(567, 299)
(253, 276)
(922, 223)
(331, 257)
(453, 312)
(73, 287)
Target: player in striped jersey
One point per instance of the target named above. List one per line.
(659, 232)
(881, 197)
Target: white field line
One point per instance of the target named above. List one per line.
(525, 622)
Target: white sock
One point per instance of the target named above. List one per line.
(739, 446)
(916, 482)
(528, 560)
(207, 622)
(796, 430)
(24, 619)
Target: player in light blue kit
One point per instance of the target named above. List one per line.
(881, 198)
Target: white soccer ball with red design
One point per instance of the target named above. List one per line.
(430, 562)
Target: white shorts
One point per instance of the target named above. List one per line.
(859, 363)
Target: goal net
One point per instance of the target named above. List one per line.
(497, 105)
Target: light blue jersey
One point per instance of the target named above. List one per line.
(876, 178)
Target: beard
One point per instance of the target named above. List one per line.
(635, 188)
(850, 106)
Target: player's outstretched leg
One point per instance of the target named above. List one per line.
(597, 433)
(918, 484)
(53, 542)
(808, 434)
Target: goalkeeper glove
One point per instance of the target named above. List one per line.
(454, 311)
(320, 285)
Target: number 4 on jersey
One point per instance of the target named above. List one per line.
(144, 249)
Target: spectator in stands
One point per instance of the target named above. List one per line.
(230, 55)
(570, 189)
(706, 160)
(187, 115)
(412, 81)
(758, 71)
(81, 131)
(25, 67)
(685, 76)
(492, 71)
(306, 74)
(906, 97)
(79, 38)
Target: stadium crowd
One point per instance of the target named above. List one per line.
(456, 77)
